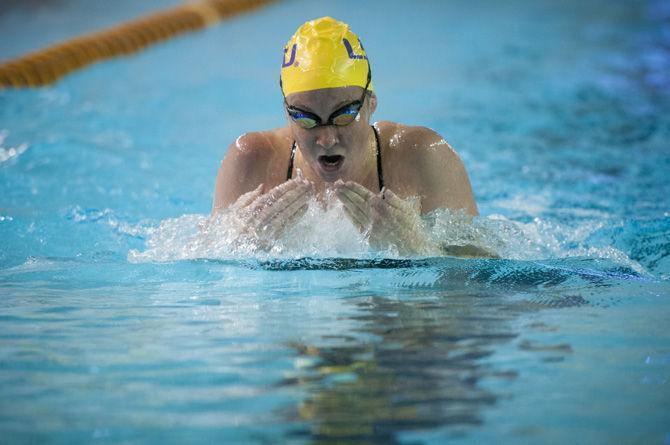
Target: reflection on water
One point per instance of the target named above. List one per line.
(315, 351)
(422, 358)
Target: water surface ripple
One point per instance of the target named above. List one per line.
(122, 321)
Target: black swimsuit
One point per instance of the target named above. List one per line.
(380, 175)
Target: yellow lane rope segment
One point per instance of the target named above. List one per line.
(47, 65)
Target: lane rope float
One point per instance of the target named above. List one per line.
(46, 66)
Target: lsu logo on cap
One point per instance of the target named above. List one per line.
(323, 53)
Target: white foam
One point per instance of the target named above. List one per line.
(536, 240)
(328, 233)
(318, 233)
(7, 153)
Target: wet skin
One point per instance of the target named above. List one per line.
(417, 162)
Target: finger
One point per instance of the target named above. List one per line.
(355, 203)
(399, 222)
(274, 195)
(265, 209)
(247, 198)
(353, 213)
(355, 192)
(372, 206)
(288, 202)
(392, 198)
(275, 223)
(297, 213)
(394, 213)
(355, 187)
(279, 224)
(352, 197)
(397, 208)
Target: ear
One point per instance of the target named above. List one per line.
(286, 115)
(372, 103)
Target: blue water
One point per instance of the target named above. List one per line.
(120, 322)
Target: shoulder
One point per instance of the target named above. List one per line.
(421, 147)
(415, 141)
(253, 158)
(254, 147)
(427, 163)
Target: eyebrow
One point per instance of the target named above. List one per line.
(341, 104)
(337, 107)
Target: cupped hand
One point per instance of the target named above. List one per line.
(385, 218)
(266, 215)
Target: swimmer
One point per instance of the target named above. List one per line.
(387, 175)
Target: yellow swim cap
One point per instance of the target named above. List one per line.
(323, 53)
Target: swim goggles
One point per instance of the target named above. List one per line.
(340, 117)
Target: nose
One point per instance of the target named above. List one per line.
(326, 137)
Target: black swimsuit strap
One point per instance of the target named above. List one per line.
(290, 161)
(380, 174)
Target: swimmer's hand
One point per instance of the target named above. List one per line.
(388, 220)
(265, 216)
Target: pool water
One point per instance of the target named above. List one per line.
(122, 321)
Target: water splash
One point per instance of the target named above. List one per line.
(328, 233)
(319, 232)
(108, 217)
(8, 153)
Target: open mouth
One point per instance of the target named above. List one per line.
(331, 163)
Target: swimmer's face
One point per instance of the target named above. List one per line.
(333, 151)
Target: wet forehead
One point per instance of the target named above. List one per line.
(325, 100)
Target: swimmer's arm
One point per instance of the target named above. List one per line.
(244, 185)
(444, 183)
(440, 174)
(242, 170)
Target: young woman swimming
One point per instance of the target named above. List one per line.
(268, 177)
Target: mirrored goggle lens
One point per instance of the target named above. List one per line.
(345, 118)
(305, 122)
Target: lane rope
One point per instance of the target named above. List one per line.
(46, 66)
